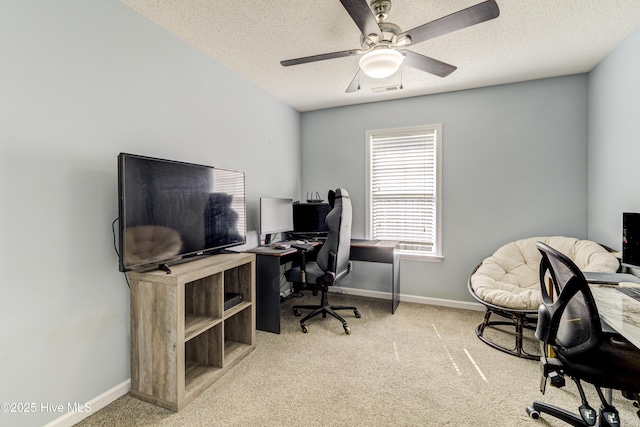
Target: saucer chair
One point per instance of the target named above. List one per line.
(507, 284)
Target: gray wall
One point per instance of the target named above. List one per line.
(81, 81)
(514, 166)
(614, 145)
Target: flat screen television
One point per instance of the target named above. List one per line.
(169, 210)
(276, 216)
(631, 239)
(309, 219)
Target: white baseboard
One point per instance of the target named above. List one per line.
(71, 418)
(411, 298)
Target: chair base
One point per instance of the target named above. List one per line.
(520, 320)
(324, 308)
(559, 413)
(608, 416)
(587, 416)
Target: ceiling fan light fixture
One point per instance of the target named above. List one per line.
(381, 63)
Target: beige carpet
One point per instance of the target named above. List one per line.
(422, 366)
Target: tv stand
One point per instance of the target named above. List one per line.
(182, 338)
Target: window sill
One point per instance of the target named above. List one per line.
(414, 256)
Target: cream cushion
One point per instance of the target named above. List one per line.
(510, 277)
(149, 243)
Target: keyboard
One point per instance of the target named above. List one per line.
(631, 292)
(609, 278)
(289, 243)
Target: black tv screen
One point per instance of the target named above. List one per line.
(169, 210)
(309, 218)
(631, 239)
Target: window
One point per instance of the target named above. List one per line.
(403, 188)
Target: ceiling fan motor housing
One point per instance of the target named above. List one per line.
(389, 37)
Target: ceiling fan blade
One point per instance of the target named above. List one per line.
(456, 21)
(426, 64)
(321, 57)
(363, 16)
(354, 86)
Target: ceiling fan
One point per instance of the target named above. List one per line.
(383, 42)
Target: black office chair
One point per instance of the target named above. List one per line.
(569, 324)
(332, 262)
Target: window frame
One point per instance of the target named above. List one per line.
(436, 254)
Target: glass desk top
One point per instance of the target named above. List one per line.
(619, 311)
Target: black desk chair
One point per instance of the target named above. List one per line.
(570, 325)
(332, 262)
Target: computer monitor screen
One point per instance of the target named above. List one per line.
(309, 218)
(631, 239)
(276, 215)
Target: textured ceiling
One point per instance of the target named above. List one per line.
(529, 40)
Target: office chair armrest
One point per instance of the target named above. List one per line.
(329, 277)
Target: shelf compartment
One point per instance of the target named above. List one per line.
(203, 356)
(195, 325)
(238, 280)
(238, 337)
(236, 309)
(198, 377)
(235, 351)
(203, 297)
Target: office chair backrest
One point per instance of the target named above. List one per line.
(568, 319)
(338, 241)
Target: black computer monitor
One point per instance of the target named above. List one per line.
(276, 216)
(309, 219)
(631, 239)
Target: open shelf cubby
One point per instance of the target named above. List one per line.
(182, 339)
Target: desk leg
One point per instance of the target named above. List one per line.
(268, 293)
(395, 282)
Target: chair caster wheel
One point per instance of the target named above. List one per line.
(296, 312)
(305, 328)
(357, 313)
(533, 413)
(347, 330)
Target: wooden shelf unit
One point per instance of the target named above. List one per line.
(182, 339)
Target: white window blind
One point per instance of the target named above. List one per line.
(404, 188)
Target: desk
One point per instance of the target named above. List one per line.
(269, 260)
(383, 251)
(618, 311)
